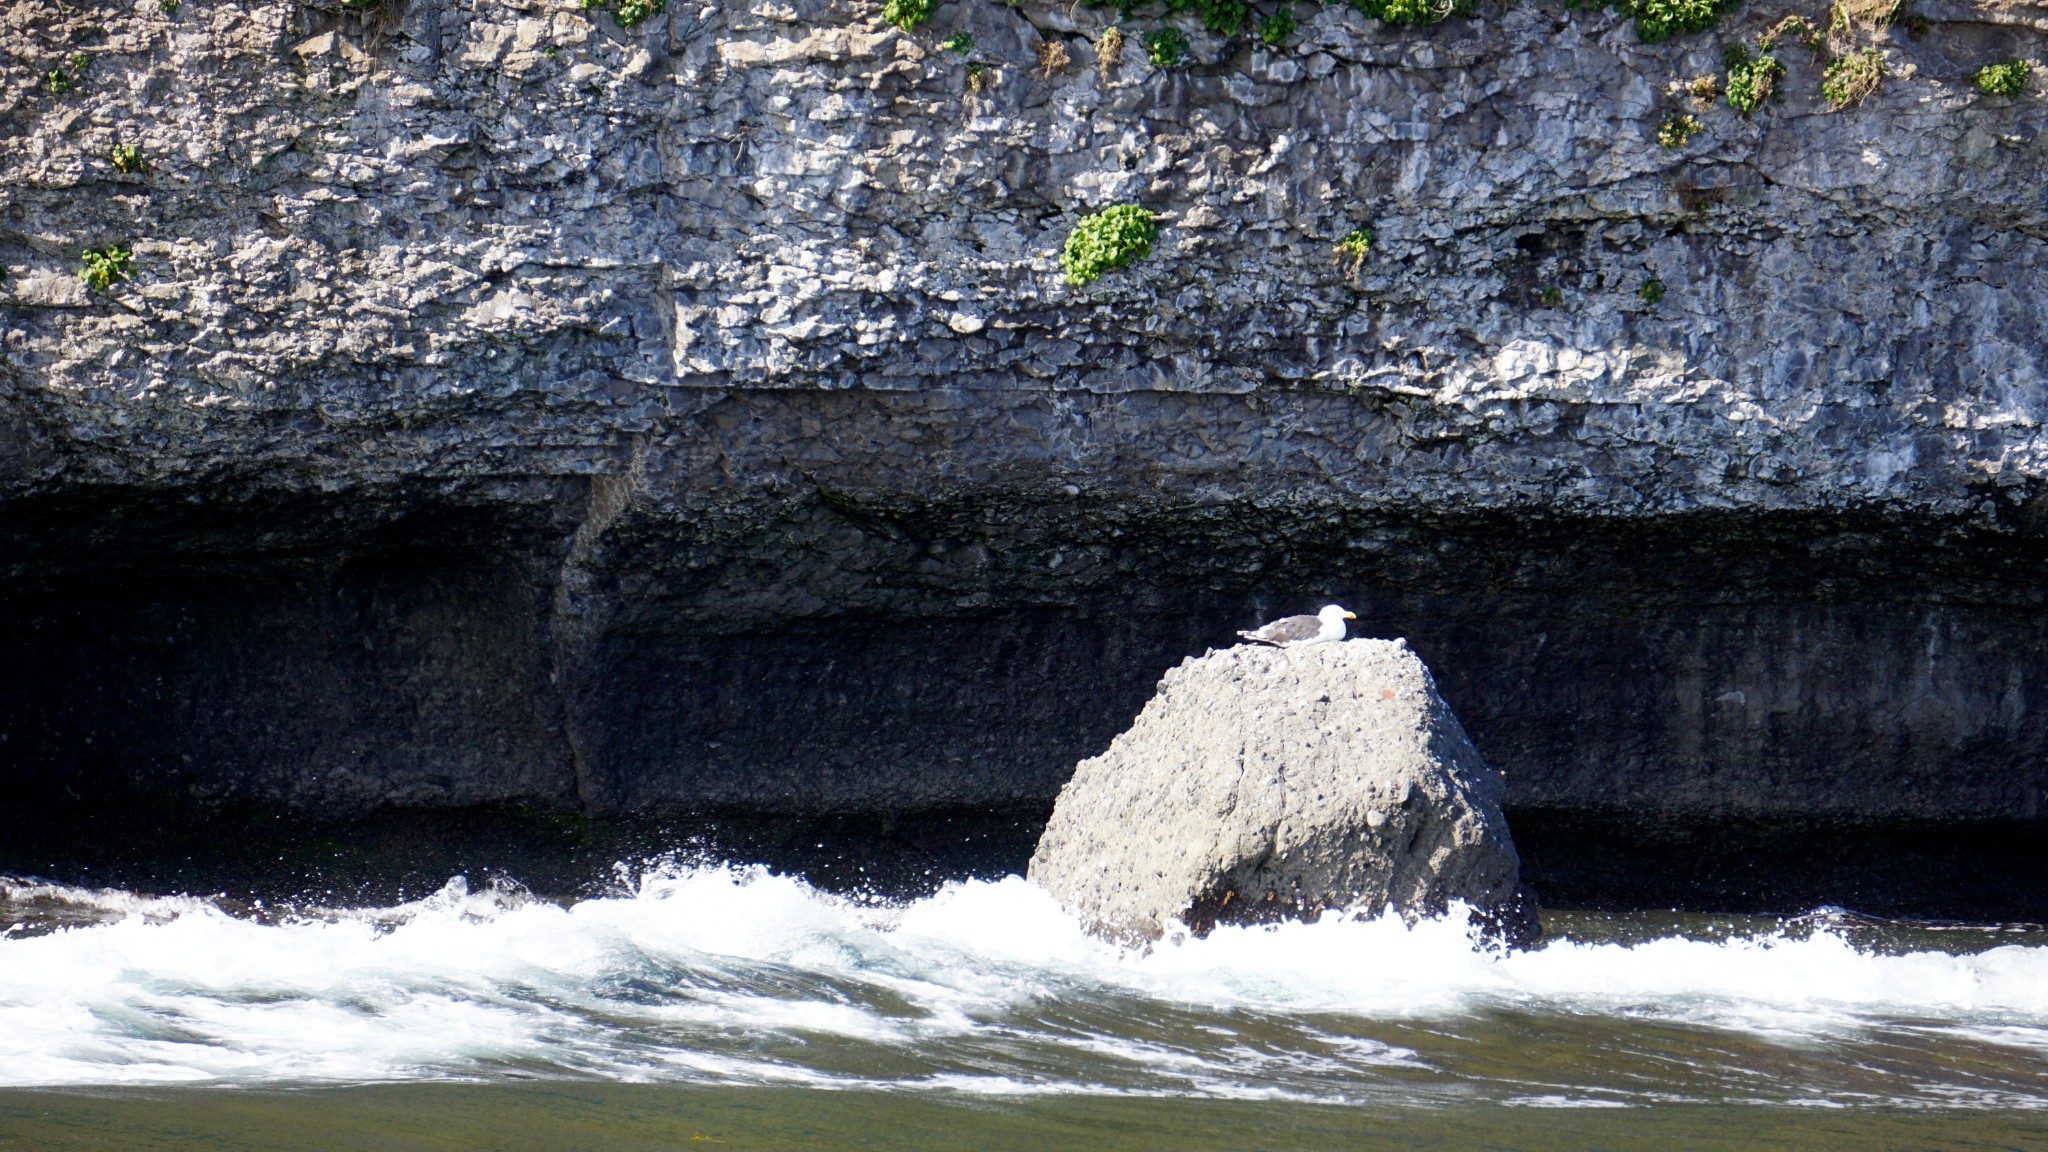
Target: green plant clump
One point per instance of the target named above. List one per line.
(631, 12)
(66, 75)
(1223, 17)
(1275, 29)
(127, 158)
(961, 44)
(627, 12)
(1107, 239)
(1850, 78)
(1351, 250)
(2007, 79)
(1659, 20)
(101, 267)
(1410, 11)
(1164, 47)
(167, 7)
(1678, 130)
(1750, 81)
(1651, 291)
(907, 14)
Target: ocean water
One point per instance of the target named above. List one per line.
(719, 987)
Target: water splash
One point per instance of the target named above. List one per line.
(730, 974)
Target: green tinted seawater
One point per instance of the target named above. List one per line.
(571, 1117)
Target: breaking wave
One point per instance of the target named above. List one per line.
(732, 974)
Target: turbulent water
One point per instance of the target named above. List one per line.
(728, 975)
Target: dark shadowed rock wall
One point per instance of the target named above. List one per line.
(505, 407)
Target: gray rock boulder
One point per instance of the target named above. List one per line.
(1261, 784)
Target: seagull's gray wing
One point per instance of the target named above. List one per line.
(1287, 630)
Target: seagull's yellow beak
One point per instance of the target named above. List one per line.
(1351, 615)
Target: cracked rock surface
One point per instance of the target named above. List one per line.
(1263, 784)
(455, 239)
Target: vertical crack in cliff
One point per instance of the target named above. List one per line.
(577, 618)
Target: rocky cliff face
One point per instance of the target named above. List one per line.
(505, 405)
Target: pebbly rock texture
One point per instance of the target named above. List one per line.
(1263, 784)
(504, 406)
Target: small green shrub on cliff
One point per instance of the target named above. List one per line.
(627, 12)
(127, 158)
(1651, 291)
(66, 75)
(1105, 240)
(1851, 78)
(101, 267)
(1352, 248)
(1750, 81)
(1679, 129)
(1223, 17)
(907, 14)
(2007, 79)
(1410, 11)
(1164, 47)
(1659, 20)
(961, 44)
(167, 7)
(631, 12)
(1275, 29)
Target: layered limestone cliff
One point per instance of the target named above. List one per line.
(504, 405)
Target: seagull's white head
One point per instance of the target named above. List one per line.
(1332, 613)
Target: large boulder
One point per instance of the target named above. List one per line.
(1267, 783)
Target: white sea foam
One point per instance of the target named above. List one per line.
(733, 974)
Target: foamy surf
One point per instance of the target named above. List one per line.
(735, 975)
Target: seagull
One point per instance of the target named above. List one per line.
(1327, 624)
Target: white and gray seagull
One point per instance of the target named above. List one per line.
(1287, 631)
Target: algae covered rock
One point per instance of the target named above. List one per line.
(1261, 784)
